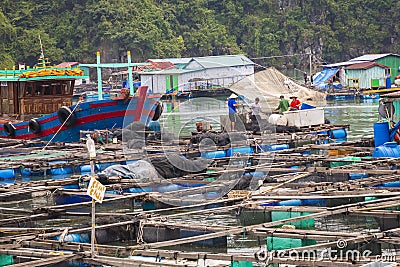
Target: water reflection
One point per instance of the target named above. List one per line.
(360, 115)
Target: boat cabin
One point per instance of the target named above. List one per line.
(36, 92)
(35, 97)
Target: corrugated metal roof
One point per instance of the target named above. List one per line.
(159, 65)
(371, 57)
(365, 66)
(222, 61)
(165, 72)
(67, 64)
(341, 64)
(174, 61)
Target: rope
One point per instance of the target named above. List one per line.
(59, 129)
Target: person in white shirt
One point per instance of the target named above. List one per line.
(255, 114)
(255, 108)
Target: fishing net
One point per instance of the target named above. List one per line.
(269, 85)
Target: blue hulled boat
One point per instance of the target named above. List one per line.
(36, 103)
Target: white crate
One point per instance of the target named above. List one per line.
(306, 117)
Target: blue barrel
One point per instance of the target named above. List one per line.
(155, 126)
(269, 204)
(389, 185)
(167, 188)
(7, 182)
(239, 150)
(7, 173)
(213, 154)
(338, 133)
(87, 168)
(291, 202)
(387, 150)
(388, 83)
(103, 166)
(60, 171)
(71, 186)
(314, 202)
(279, 147)
(356, 176)
(29, 172)
(137, 189)
(381, 133)
(257, 174)
(80, 238)
(276, 147)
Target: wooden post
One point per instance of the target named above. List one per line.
(99, 81)
(130, 75)
(310, 57)
(93, 233)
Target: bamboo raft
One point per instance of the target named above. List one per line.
(36, 231)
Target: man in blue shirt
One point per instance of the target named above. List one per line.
(232, 110)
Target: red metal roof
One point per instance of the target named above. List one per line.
(160, 65)
(67, 64)
(365, 66)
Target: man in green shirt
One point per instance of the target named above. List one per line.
(283, 104)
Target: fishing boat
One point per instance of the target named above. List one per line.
(36, 103)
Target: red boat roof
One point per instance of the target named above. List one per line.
(365, 66)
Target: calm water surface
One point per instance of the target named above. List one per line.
(180, 115)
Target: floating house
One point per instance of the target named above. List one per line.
(364, 72)
(368, 75)
(390, 60)
(197, 73)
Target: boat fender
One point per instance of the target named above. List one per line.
(66, 116)
(34, 126)
(9, 128)
(158, 111)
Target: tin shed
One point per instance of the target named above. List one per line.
(367, 75)
(390, 60)
(199, 71)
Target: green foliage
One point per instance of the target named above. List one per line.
(74, 30)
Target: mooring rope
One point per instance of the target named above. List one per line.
(59, 129)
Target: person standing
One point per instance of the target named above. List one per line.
(283, 104)
(255, 115)
(255, 109)
(232, 104)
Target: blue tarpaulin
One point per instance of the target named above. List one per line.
(325, 75)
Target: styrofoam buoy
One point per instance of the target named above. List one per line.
(278, 119)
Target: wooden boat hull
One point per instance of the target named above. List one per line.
(95, 115)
